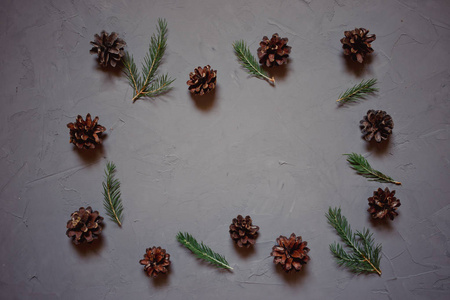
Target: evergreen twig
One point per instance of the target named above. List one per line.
(358, 91)
(111, 192)
(248, 61)
(202, 251)
(148, 84)
(362, 167)
(364, 256)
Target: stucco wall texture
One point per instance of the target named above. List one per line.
(193, 164)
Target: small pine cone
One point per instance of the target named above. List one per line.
(274, 51)
(85, 134)
(108, 47)
(356, 43)
(243, 232)
(376, 124)
(291, 253)
(383, 204)
(202, 80)
(156, 261)
(84, 225)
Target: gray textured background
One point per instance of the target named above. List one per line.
(194, 164)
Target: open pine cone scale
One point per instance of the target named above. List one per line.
(156, 261)
(273, 51)
(376, 124)
(84, 225)
(357, 43)
(202, 80)
(243, 232)
(291, 253)
(85, 134)
(383, 204)
(108, 47)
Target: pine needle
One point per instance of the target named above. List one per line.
(364, 256)
(248, 61)
(358, 92)
(362, 167)
(202, 251)
(111, 192)
(148, 84)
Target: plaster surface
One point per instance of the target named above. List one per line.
(193, 164)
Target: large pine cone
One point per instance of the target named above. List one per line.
(156, 261)
(356, 43)
(85, 134)
(376, 124)
(290, 253)
(84, 225)
(108, 47)
(202, 80)
(383, 204)
(243, 232)
(274, 51)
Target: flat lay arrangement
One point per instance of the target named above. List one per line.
(216, 182)
(290, 253)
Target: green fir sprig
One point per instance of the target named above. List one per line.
(358, 92)
(111, 193)
(362, 167)
(248, 61)
(202, 251)
(364, 256)
(148, 84)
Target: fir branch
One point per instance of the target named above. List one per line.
(131, 72)
(362, 167)
(111, 193)
(202, 251)
(364, 256)
(159, 86)
(248, 61)
(358, 91)
(148, 84)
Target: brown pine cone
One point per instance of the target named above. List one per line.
(383, 204)
(202, 80)
(376, 124)
(290, 253)
(356, 43)
(85, 134)
(84, 225)
(274, 51)
(108, 47)
(156, 261)
(243, 232)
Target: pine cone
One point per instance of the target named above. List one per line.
(376, 124)
(202, 80)
(243, 232)
(156, 261)
(356, 43)
(383, 203)
(274, 51)
(108, 47)
(290, 253)
(85, 134)
(84, 225)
